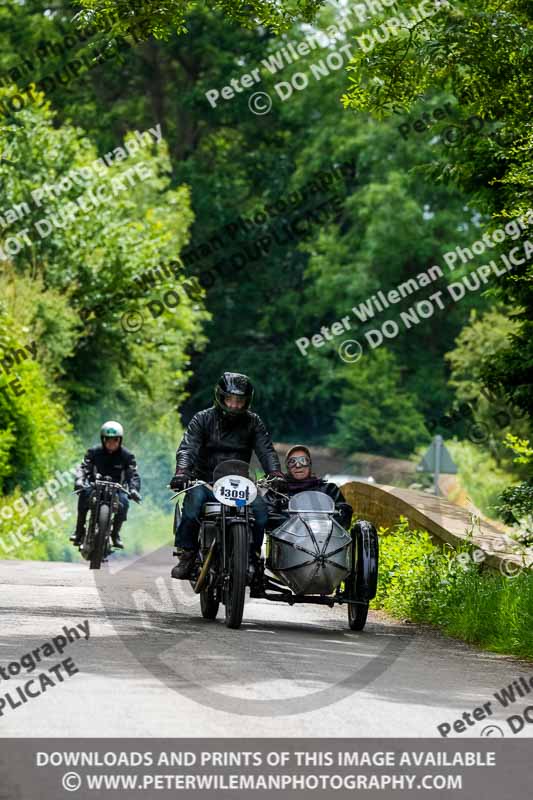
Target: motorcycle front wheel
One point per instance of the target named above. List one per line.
(235, 588)
(100, 536)
(209, 603)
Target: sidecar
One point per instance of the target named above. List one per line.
(311, 558)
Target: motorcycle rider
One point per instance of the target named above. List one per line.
(300, 478)
(227, 430)
(108, 459)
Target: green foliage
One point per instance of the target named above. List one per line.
(35, 430)
(521, 448)
(480, 53)
(480, 475)
(425, 583)
(67, 291)
(408, 202)
(37, 530)
(376, 414)
(479, 341)
(160, 19)
(392, 224)
(90, 267)
(516, 502)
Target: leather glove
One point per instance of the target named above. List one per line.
(278, 481)
(135, 496)
(180, 480)
(80, 484)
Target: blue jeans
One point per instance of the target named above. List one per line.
(83, 506)
(186, 535)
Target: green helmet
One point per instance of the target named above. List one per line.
(111, 429)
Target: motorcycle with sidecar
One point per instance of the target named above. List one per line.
(310, 557)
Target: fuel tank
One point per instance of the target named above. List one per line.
(310, 552)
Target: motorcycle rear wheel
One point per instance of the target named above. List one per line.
(102, 526)
(235, 590)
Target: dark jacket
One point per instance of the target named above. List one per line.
(120, 466)
(314, 484)
(212, 437)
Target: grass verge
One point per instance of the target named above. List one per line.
(426, 583)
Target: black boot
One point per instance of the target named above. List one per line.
(115, 536)
(79, 533)
(184, 568)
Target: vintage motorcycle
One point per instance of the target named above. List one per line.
(103, 508)
(310, 557)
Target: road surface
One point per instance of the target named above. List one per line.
(153, 667)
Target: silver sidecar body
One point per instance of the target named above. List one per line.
(310, 552)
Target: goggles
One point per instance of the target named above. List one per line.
(299, 461)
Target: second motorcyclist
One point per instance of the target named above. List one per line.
(113, 460)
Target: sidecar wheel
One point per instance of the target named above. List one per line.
(357, 615)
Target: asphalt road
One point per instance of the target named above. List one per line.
(153, 667)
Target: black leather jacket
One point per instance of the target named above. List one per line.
(120, 466)
(211, 437)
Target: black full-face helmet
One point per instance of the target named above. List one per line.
(233, 383)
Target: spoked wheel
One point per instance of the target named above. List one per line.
(209, 603)
(235, 588)
(357, 615)
(362, 585)
(102, 525)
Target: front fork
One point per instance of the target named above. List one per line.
(248, 519)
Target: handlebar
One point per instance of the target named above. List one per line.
(191, 485)
(267, 483)
(100, 479)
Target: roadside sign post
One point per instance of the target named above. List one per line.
(438, 449)
(437, 460)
